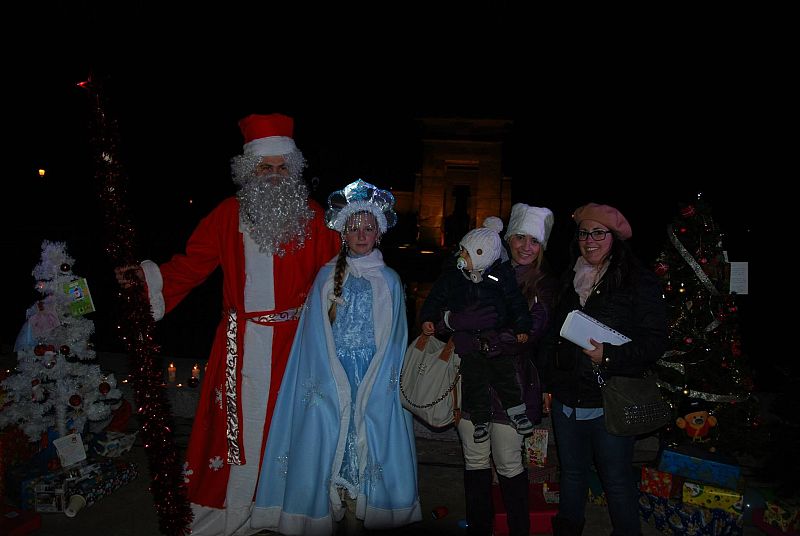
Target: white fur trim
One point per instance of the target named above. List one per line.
(360, 206)
(270, 146)
(155, 284)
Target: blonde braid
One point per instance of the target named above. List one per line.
(338, 280)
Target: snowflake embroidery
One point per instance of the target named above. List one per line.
(373, 473)
(283, 462)
(186, 472)
(393, 378)
(218, 396)
(313, 393)
(215, 463)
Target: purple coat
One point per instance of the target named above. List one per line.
(524, 353)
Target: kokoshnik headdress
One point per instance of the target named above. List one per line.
(360, 196)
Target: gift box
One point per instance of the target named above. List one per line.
(712, 497)
(21, 483)
(539, 511)
(700, 465)
(536, 447)
(768, 528)
(15, 522)
(47, 491)
(547, 472)
(660, 484)
(784, 515)
(100, 479)
(551, 493)
(670, 516)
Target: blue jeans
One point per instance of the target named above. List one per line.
(581, 442)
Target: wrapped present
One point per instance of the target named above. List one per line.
(536, 447)
(21, 482)
(660, 484)
(549, 471)
(14, 522)
(710, 496)
(539, 511)
(48, 495)
(768, 528)
(670, 516)
(100, 479)
(702, 466)
(783, 514)
(551, 493)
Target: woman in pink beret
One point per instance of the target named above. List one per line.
(608, 283)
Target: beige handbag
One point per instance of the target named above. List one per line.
(430, 381)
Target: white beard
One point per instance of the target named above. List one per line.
(274, 211)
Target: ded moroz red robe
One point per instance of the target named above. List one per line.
(244, 371)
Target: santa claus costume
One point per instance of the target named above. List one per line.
(264, 289)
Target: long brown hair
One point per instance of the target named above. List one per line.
(338, 279)
(529, 285)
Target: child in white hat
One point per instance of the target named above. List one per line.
(477, 297)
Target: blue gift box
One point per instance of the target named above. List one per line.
(670, 516)
(701, 466)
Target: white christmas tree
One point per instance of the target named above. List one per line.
(57, 383)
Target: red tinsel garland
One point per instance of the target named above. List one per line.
(168, 486)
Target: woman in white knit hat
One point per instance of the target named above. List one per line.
(505, 431)
(526, 237)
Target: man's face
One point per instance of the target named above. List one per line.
(272, 167)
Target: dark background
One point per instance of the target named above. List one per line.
(642, 118)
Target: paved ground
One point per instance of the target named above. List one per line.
(129, 510)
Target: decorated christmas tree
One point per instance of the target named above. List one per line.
(57, 384)
(705, 371)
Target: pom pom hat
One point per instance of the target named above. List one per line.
(360, 196)
(605, 214)
(483, 244)
(534, 221)
(267, 135)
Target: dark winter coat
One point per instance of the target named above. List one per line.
(635, 309)
(498, 288)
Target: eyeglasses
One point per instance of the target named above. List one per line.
(597, 235)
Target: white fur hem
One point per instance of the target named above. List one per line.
(155, 284)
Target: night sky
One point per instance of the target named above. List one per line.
(639, 126)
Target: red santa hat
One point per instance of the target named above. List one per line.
(267, 135)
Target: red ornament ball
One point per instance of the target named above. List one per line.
(703, 260)
(39, 350)
(688, 340)
(35, 382)
(50, 363)
(104, 388)
(65, 267)
(64, 349)
(682, 230)
(688, 211)
(75, 401)
(662, 268)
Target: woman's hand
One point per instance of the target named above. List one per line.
(427, 328)
(596, 354)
